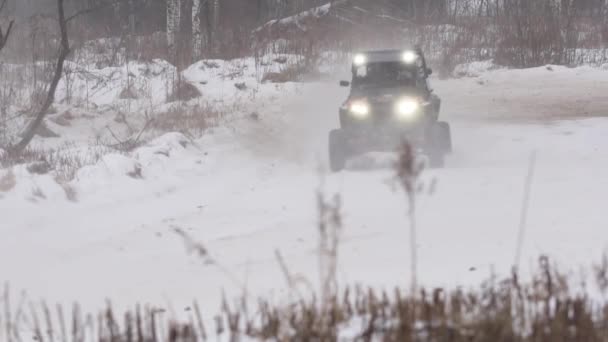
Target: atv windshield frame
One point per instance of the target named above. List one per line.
(388, 74)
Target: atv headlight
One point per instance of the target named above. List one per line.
(359, 109)
(359, 59)
(409, 57)
(408, 108)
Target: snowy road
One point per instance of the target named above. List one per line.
(247, 194)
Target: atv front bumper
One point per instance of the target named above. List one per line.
(383, 138)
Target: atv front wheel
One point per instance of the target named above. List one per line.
(436, 159)
(440, 144)
(338, 152)
(444, 135)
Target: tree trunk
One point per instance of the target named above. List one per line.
(131, 17)
(64, 51)
(604, 23)
(260, 11)
(173, 25)
(215, 22)
(197, 37)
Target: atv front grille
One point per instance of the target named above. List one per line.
(383, 112)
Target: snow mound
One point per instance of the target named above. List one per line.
(163, 145)
(474, 69)
(110, 166)
(155, 155)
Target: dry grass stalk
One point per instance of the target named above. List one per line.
(409, 169)
(545, 309)
(330, 228)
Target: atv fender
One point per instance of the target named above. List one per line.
(436, 105)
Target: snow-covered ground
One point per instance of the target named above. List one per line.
(249, 189)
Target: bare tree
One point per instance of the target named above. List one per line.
(64, 51)
(214, 27)
(197, 36)
(4, 35)
(173, 24)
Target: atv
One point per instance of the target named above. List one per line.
(390, 101)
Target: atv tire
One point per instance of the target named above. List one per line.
(338, 152)
(444, 135)
(436, 159)
(440, 145)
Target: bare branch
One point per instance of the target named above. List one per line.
(118, 141)
(131, 142)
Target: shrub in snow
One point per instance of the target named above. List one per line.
(136, 172)
(41, 167)
(184, 91)
(211, 64)
(70, 192)
(192, 120)
(275, 77)
(7, 181)
(290, 73)
(128, 94)
(280, 60)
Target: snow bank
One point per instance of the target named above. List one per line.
(155, 161)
